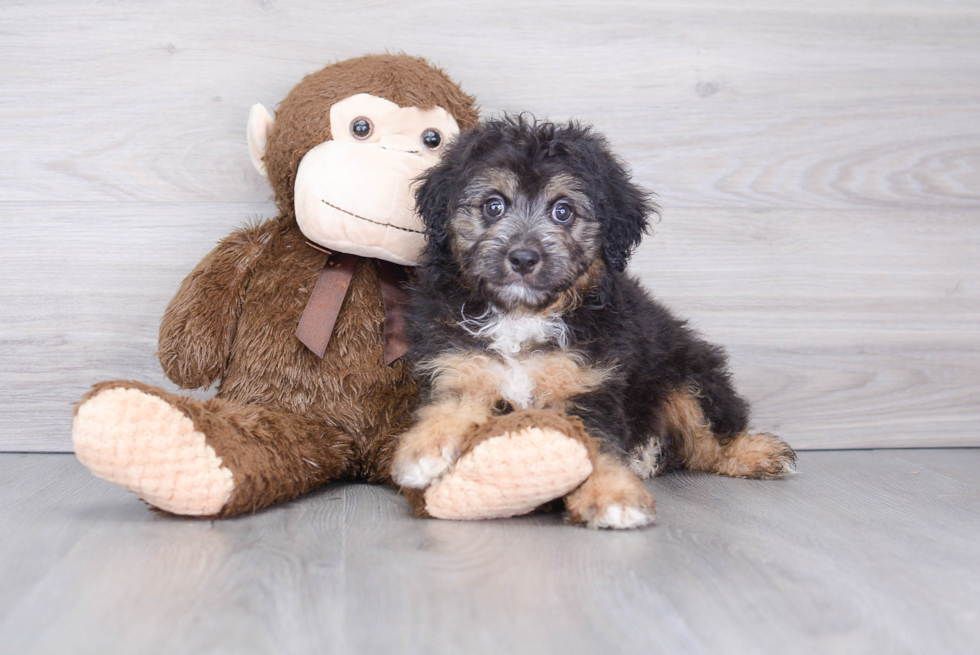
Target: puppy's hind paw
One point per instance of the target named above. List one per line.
(762, 456)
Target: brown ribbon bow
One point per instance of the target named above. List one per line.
(318, 319)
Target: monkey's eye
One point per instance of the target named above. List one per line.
(361, 127)
(432, 139)
(494, 207)
(562, 212)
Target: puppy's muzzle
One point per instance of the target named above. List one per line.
(523, 261)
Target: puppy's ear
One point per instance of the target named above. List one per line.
(624, 208)
(628, 209)
(437, 190)
(432, 198)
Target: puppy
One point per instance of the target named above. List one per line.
(521, 301)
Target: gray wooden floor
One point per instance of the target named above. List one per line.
(872, 552)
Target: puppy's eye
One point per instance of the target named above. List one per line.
(562, 212)
(361, 127)
(494, 208)
(431, 138)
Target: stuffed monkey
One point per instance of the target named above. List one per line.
(300, 322)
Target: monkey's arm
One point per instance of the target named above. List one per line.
(199, 325)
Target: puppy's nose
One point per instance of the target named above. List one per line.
(523, 261)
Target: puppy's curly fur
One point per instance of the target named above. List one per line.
(521, 300)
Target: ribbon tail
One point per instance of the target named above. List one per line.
(393, 278)
(322, 309)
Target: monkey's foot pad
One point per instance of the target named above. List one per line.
(509, 475)
(144, 444)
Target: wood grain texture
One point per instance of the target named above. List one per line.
(713, 106)
(819, 170)
(863, 552)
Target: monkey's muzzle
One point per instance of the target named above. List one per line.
(358, 198)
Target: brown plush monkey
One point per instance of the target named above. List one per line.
(299, 318)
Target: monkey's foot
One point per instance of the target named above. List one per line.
(142, 443)
(515, 464)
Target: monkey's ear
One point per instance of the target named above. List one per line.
(259, 128)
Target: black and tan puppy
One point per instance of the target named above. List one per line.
(522, 301)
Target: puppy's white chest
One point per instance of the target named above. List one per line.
(516, 384)
(513, 338)
(509, 336)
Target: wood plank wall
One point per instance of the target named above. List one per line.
(818, 165)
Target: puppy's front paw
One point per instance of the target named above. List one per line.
(624, 513)
(612, 499)
(623, 517)
(422, 458)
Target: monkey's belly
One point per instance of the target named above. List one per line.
(350, 387)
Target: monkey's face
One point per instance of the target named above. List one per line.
(353, 192)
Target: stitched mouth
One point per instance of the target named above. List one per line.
(368, 220)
